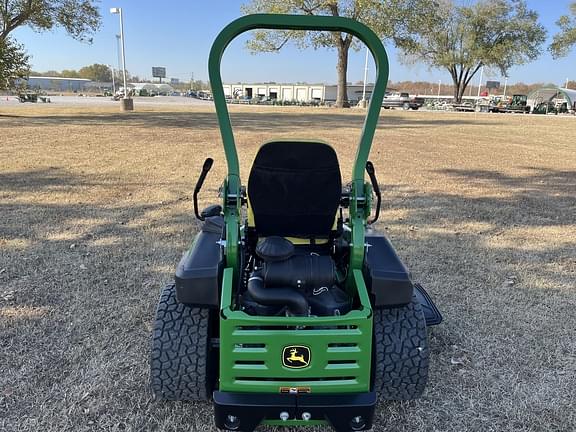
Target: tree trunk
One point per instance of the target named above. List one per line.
(457, 98)
(462, 90)
(462, 80)
(342, 69)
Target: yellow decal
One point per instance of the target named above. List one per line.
(296, 356)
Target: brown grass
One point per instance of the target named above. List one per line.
(95, 211)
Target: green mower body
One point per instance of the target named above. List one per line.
(297, 317)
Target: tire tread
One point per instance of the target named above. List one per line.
(178, 360)
(402, 355)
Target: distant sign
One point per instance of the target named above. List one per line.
(159, 72)
(174, 81)
(492, 84)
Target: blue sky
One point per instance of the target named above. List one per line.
(177, 34)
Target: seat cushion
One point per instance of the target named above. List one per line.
(294, 189)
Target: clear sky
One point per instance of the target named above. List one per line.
(177, 34)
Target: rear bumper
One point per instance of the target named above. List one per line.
(344, 412)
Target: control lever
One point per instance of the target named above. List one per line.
(205, 168)
(372, 174)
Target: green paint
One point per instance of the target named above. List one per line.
(251, 348)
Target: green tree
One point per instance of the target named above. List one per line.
(96, 72)
(78, 17)
(566, 39)
(462, 38)
(14, 65)
(388, 18)
(51, 73)
(199, 85)
(70, 73)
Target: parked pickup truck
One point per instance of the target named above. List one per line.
(401, 100)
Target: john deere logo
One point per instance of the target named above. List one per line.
(296, 356)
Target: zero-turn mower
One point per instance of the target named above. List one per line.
(288, 309)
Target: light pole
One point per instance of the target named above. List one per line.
(127, 103)
(364, 83)
(118, 53)
(439, 86)
(480, 82)
(113, 80)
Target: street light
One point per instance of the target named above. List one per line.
(364, 82)
(480, 81)
(125, 105)
(113, 81)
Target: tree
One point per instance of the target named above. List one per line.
(463, 38)
(563, 41)
(70, 73)
(96, 72)
(386, 17)
(78, 17)
(14, 65)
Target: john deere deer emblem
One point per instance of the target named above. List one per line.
(296, 356)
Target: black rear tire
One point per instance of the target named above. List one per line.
(401, 352)
(179, 366)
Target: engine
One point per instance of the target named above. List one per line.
(283, 282)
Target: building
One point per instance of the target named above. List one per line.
(58, 83)
(553, 96)
(293, 92)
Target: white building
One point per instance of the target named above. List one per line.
(58, 83)
(292, 92)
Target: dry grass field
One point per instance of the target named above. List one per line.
(95, 211)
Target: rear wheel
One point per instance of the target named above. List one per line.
(401, 352)
(179, 365)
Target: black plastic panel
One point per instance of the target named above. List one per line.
(252, 408)
(431, 312)
(386, 276)
(199, 272)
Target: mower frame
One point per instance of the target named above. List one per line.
(360, 192)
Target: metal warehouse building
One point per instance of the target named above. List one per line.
(58, 83)
(551, 94)
(292, 92)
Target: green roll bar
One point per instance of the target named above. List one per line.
(232, 184)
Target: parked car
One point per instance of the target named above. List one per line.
(401, 100)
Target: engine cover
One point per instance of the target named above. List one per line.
(301, 271)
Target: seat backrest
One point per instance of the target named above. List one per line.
(294, 189)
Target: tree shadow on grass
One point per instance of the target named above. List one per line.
(261, 121)
(507, 298)
(97, 267)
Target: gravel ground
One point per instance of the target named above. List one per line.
(95, 211)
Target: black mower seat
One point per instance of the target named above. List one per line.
(294, 189)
